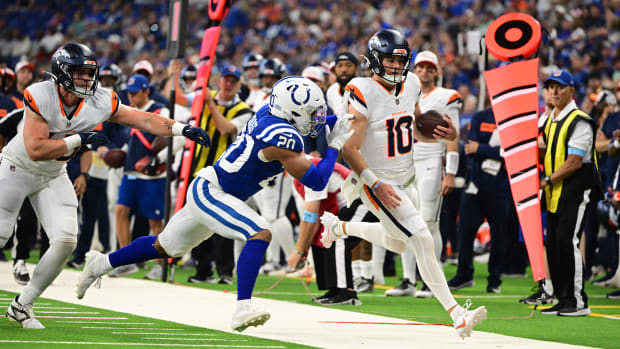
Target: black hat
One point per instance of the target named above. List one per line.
(346, 56)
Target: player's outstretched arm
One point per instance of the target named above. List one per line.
(159, 125)
(301, 168)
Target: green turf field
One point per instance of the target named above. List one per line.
(76, 326)
(505, 315)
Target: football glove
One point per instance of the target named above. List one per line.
(338, 135)
(93, 138)
(197, 135)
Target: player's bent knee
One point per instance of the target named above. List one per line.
(67, 230)
(164, 253)
(263, 235)
(63, 246)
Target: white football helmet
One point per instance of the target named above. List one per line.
(301, 102)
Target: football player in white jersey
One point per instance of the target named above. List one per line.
(431, 182)
(59, 117)
(379, 152)
(345, 69)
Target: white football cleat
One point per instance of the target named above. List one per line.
(247, 316)
(23, 314)
(406, 288)
(467, 319)
(93, 270)
(330, 233)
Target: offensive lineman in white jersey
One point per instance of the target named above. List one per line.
(379, 153)
(428, 159)
(58, 119)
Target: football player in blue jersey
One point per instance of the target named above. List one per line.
(270, 143)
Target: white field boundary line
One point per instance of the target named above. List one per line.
(168, 334)
(105, 322)
(132, 328)
(195, 339)
(147, 344)
(68, 312)
(78, 317)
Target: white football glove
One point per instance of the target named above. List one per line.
(340, 133)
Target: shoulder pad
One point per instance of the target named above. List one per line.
(278, 133)
(357, 87)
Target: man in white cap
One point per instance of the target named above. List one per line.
(145, 68)
(316, 74)
(24, 75)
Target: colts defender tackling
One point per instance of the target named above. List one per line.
(270, 143)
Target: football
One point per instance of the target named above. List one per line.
(114, 158)
(150, 166)
(427, 121)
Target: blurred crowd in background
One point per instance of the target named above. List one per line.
(581, 36)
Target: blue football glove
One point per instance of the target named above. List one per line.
(330, 121)
(198, 135)
(93, 138)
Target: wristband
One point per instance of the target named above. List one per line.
(452, 162)
(309, 217)
(616, 144)
(299, 252)
(548, 180)
(177, 129)
(368, 178)
(376, 185)
(86, 175)
(73, 142)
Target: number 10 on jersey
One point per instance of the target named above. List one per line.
(400, 135)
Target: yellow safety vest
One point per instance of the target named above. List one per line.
(556, 136)
(207, 156)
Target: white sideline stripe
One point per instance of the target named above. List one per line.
(68, 312)
(63, 308)
(168, 334)
(609, 317)
(134, 328)
(105, 322)
(147, 344)
(9, 303)
(196, 339)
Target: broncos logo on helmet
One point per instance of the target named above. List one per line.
(388, 43)
(69, 58)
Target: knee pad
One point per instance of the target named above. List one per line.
(67, 230)
(62, 246)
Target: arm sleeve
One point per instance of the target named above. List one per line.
(317, 177)
(582, 139)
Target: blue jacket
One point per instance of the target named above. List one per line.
(481, 128)
(137, 149)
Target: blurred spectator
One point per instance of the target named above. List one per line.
(24, 76)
